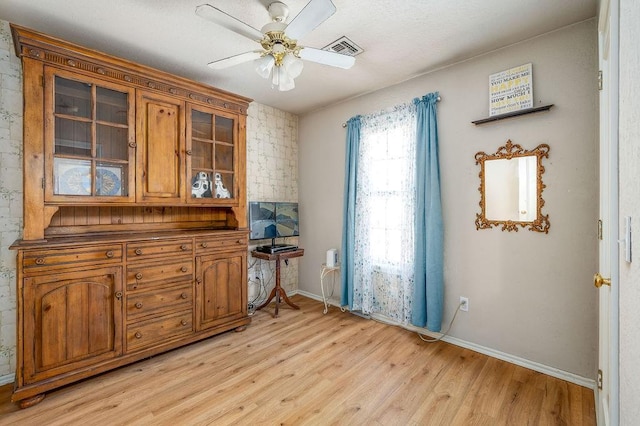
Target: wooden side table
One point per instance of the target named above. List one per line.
(278, 292)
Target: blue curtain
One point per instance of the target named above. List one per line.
(349, 214)
(429, 240)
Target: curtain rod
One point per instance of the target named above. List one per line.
(438, 99)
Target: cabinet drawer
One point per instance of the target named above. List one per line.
(162, 300)
(71, 257)
(162, 329)
(141, 276)
(149, 250)
(212, 243)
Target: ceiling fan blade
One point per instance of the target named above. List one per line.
(234, 60)
(227, 21)
(313, 14)
(327, 58)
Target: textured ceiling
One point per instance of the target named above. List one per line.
(400, 40)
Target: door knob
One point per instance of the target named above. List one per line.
(598, 281)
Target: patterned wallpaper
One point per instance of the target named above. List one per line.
(10, 194)
(272, 175)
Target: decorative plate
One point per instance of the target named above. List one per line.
(107, 183)
(76, 181)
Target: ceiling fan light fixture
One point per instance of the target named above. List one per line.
(281, 80)
(281, 59)
(292, 65)
(286, 81)
(264, 65)
(275, 77)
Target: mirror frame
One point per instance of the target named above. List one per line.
(509, 151)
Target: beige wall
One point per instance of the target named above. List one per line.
(630, 206)
(530, 294)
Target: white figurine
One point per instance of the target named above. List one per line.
(221, 191)
(201, 185)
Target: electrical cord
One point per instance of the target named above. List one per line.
(437, 339)
(257, 280)
(258, 300)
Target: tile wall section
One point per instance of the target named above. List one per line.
(10, 195)
(272, 175)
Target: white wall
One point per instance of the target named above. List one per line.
(629, 139)
(531, 295)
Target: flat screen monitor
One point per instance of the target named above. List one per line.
(269, 220)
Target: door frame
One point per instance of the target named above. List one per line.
(607, 398)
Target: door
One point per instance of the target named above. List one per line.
(607, 377)
(72, 320)
(89, 139)
(221, 294)
(160, 156)
(212, 156)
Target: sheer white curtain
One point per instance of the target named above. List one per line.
(385, 213)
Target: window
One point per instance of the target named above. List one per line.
(385, 206)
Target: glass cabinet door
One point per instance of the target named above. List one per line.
(212, 158)
(89, 130)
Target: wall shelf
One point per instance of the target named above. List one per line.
(513, 114)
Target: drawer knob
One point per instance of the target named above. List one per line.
(138, 252)
(139, 305)
(109, 254)
(183, 269)
(184, 295)
(239, 241)
(40, 261)
(138, 335)
(205, 245)
(199, 280)
(118, 295)
(184, 247)
(138, 276)
(188, 152)
(132, 144)
(183, 322)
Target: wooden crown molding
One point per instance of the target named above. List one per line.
(53, 51)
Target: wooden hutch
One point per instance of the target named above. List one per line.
(135, 227)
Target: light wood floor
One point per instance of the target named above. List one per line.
(308, 368)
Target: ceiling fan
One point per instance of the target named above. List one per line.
(280, 57)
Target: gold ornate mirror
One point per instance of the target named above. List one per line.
(511, 188)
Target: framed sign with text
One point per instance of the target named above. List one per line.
(511, 90)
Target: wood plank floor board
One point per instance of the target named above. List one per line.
(490, 388)
(409, 397)
(306, 368)
(364, 384)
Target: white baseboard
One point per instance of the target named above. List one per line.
(522, 362)
(6, 379)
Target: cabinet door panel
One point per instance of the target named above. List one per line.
(212, 160)
(89, 130)
(220, 289)
(74, 321)
(85, 331)
(160, 139)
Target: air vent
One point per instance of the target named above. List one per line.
(344, 46)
